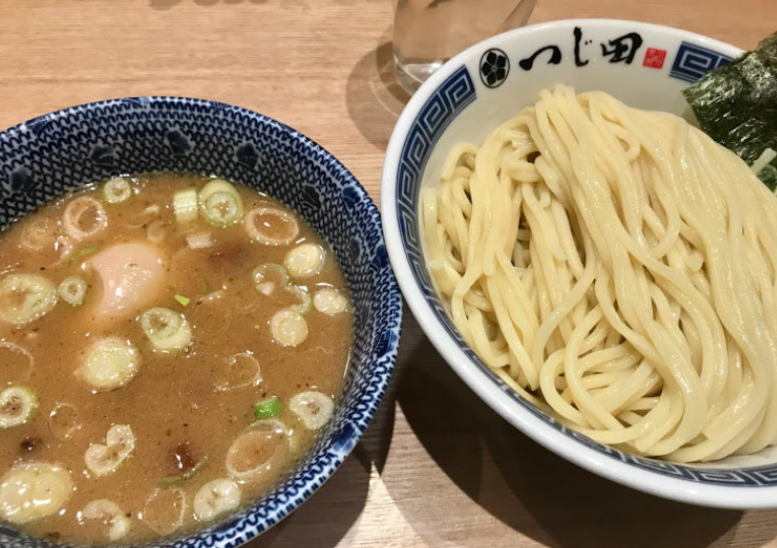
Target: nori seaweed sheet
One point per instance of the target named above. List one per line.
(736, 105)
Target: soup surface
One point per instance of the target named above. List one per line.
(169, 348)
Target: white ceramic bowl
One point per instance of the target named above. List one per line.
(645, 66)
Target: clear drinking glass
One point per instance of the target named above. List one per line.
(429, 32)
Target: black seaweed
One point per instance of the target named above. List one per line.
(736, 105)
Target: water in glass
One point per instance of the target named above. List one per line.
(429, 32)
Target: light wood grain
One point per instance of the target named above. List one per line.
(437, 468)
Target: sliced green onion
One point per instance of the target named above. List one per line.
(185, 205)
(111, 363)
(329, 301)
(164, 511)
(305, 260)
(268, 408)
(172, 481)
(284, 227)
(38, 233)
(86, 251)
(183, 300)
(166, 329)
(289, 328)
(108, 512)
(65, 421)
(25, 298)
(72, 290)
(17, 406)
(217, 185)
(216, 498)
(222, 209)
(104, 458)
(242, 370)
(161, 323)
(71, 219)
(259, 450)
(268, 276)
(117, 190)
(33, 490)
(305, 302)
(314, 408)
(220, 202)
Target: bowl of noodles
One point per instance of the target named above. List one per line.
(591, 263)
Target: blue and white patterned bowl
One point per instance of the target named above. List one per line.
(644, 65)
(43, 158)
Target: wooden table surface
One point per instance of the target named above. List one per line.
(436, 467)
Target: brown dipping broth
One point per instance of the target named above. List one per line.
(181, 422)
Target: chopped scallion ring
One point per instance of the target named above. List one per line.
(314, 408)
(65, 421)
(109, 512)
(104, 458)
(220, 202)
(26, 297)
(269, 276)
(183, 300)
(222, 209)
(305, 302)
(111, 363)
(289, 328)
(242, 371)
(117, 190)
(165, 510)
(30, 491)
(17, 406)
(38, 233)
(259, 450)
(268, 408)
(305, 260)
(329, 301)
(72, 290)
(271, 226)
(78, 227)
(161, 323)
(215, 498)
(166, 329)
(185, 205)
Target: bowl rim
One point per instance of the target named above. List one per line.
(575, 451)
(385, 349)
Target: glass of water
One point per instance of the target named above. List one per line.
(429, 32)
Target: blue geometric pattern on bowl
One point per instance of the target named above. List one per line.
(423, 135)
(692, 61)
(43, 158)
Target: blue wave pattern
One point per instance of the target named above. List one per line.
(47, 156)
(457, 92)
(692, 61)
(452, 97)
